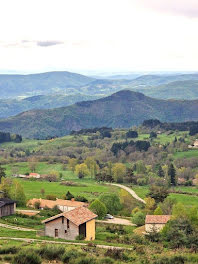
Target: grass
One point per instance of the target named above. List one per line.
(186, 154)
(91, 191)
(185, 199)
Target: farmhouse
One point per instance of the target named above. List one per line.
(156, 222)
(34, 175)
(7, 207)
(63, 205)
(69, 225)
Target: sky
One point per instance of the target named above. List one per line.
(91, 36)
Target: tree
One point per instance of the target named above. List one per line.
(119, 170)
(129, 177)
(81, 170)
(150, 204)
(72, 164)
(42, 192)
(32, 165)
(172, 174)
(138, 218)
(159, 193)
(5, 187)
(18, 194)
(131, 134)
(2, 172)
(158, 211)
(92, 166)
(153, 134)
(167, 205)
(69, 196)
(112, 202)
(160, 172)
(98, 208)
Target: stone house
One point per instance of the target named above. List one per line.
(7, 207)
(156, 222)
(69, 225)
(63, 205)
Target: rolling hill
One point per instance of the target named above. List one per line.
(11, 107)
(42, 83)
(122, 109)
(178, 90)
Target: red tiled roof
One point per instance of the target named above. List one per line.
(78, 216)
(34, 174)
(157, 219)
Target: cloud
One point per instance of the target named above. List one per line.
(187, 8)
(48, 43)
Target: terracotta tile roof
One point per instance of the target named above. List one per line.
(34, 174)
(157, 219)
(70, 203)
(78, 216)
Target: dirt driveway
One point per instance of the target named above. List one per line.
(117, 221)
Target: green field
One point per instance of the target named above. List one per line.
(92, 190)
(186, 154)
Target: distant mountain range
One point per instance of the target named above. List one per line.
(19, 93)
(11, 107)
(122, 109)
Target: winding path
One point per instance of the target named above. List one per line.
(129, 190)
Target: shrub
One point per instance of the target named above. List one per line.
(9, 250)
(71, 254)
(25, 257)
(51, 252)
(51, 197)
(106, 261)
(98, 208)
(139, 219)
(86, 260)
(170, 260)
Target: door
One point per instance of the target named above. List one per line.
(56, 232)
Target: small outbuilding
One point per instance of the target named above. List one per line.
(7, 207)
(156, 222)
(70, 225)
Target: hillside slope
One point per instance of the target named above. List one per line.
(42, 83)
(122, 109)
(178, 90)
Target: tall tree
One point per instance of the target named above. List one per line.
(172, 174)
(160, 172)
(2, 173)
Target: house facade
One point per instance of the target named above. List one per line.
(156, 222)
(63, 205)
(69, 225)
(7, 207)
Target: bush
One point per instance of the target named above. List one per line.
(86, 260)
(25, 257)
(51, 252)
(139, 219)
(9, 250)
(106, 261)
(71, 254)
(170, 260)
(98, 208)
(51, 197)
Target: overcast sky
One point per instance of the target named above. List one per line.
(98, 35)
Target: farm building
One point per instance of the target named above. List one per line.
(156, 222)
(34, 175)
(69, 225)
(63, 205)
(7, 207)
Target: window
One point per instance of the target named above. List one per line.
(65, 231)
(67, 223)
(62, 220)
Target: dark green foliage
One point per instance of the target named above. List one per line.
(170, 260)
(9, 250)
(2, 173)
(138, 145)
(24, 257)
(81, 199)
(153, 134)
(132, 134)
(130, 177)
(70, 255)
(112, 202)
(51, 252)
(172, 174)
(69, 196)
(7, 137)
(193, 130)
(159, 193)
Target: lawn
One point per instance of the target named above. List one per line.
(187, 154)
(91, 191)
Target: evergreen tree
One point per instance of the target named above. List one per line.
(2, 173)
(160, 172)
(172, 174)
